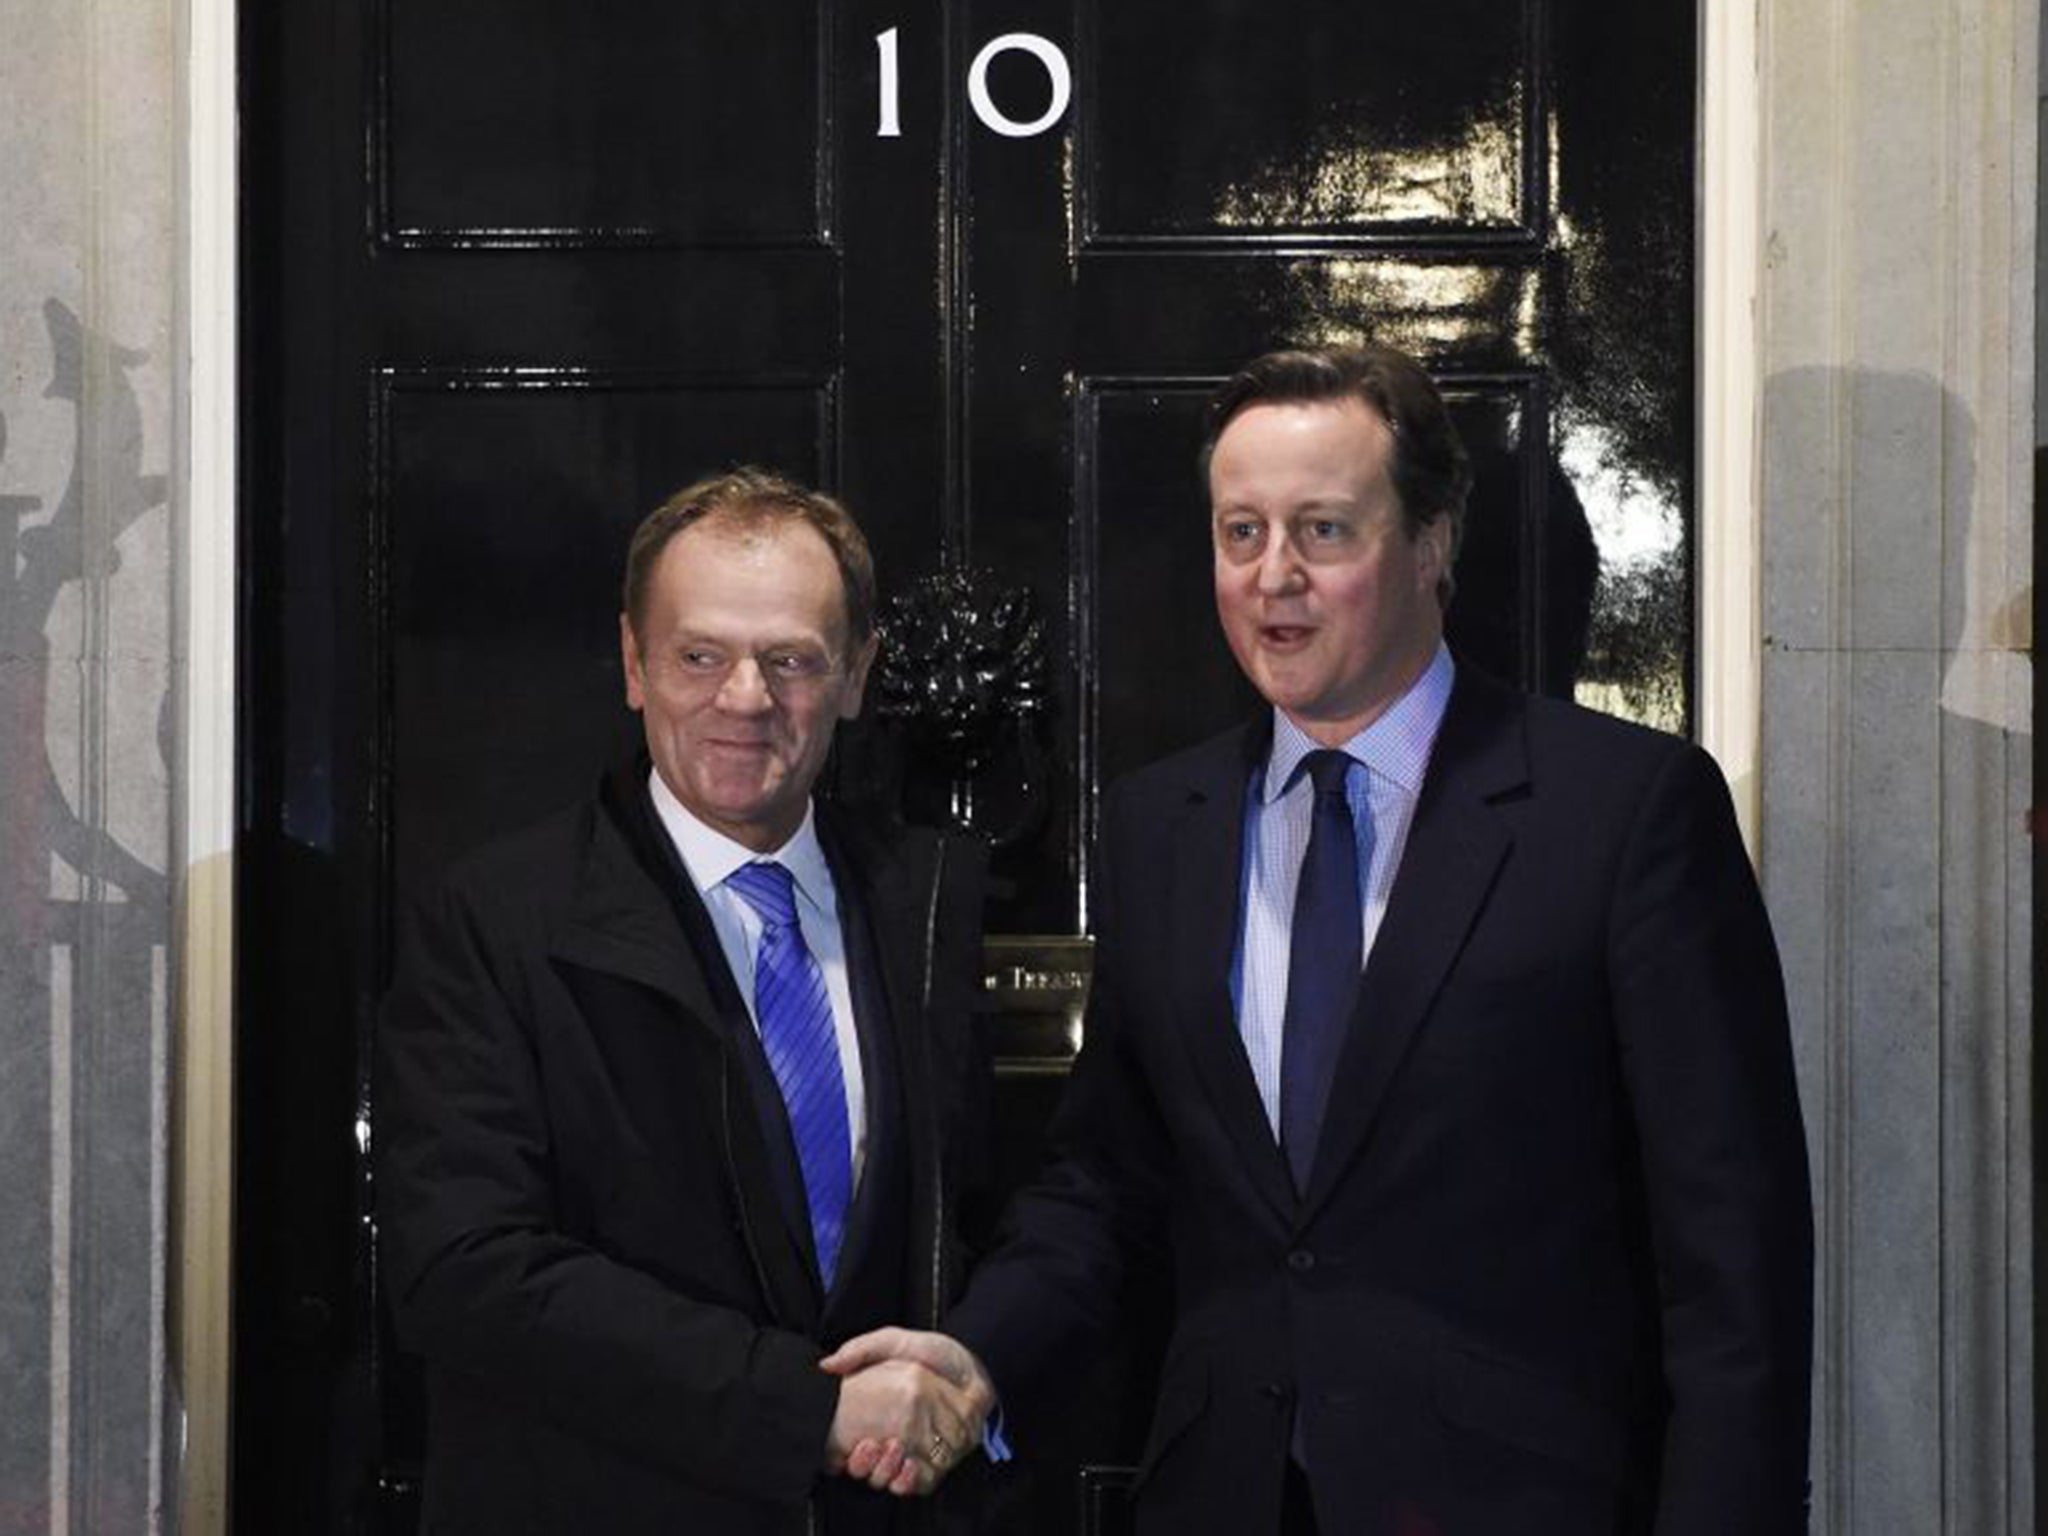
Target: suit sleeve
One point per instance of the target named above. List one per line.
(1088, 1237)
(484, 1282)
(1706, 1054)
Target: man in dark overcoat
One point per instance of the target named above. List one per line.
(670, 1086)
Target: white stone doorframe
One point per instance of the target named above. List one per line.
(1729, 622)
(204, 792)
(1732, 111)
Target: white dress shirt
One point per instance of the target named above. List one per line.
(1389, 758)
(710, 856)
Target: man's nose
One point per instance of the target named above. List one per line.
(745, 690)
(1279, 567)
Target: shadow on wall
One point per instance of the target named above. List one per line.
(84, 935)
(1880, 573)
(40, 562)
(1897, 724)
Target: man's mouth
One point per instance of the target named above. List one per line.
(1285, 636)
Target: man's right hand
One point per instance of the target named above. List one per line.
(899, 1425)
(910, 1464)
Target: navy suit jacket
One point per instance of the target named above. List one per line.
(1551, 1275)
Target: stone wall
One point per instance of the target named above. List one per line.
(1896, 333)
(88, 259)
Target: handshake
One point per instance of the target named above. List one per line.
(911, 1408)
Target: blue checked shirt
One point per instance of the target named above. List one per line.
(1389, 758)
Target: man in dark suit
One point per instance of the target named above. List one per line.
(668, 1085)
(1437, 1053)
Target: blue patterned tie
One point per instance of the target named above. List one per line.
(795, 1015)
(1322, 965)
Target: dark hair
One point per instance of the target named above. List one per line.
(746, 499)
(1430, 471)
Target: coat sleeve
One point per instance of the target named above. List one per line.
(483, 1281)
(1706, 1056)
(1088, 1237)
(959, 1022)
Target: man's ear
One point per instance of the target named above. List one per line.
(857, 677)
(629, 658)
(1434, 562)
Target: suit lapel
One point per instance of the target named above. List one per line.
(1456, 846)
(1208, 875)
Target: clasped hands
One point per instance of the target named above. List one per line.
(911, 1408)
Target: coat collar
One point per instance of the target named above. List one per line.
(622, 915)
(635, 914)
(623, 921)
(888, 878)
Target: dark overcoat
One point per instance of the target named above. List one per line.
(591, 1217)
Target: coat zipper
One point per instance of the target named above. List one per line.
(926, 1518)
(739, 1205)
(732, 1174)
(934, 1125)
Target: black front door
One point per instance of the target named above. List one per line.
(517, 268)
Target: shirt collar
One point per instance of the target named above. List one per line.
(710, 856)
(1395, 746)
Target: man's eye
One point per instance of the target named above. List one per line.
(794, 663)
(701, 660)
(1240, 532)
(1325, 530)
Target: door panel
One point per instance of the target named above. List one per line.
(1135, 443)
(514, 270)
(499, 507)
(1306, 122)
(608, 123)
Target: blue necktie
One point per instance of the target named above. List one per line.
(1323, 962)
(795, 1015)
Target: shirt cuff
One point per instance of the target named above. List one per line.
(994, 1444)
